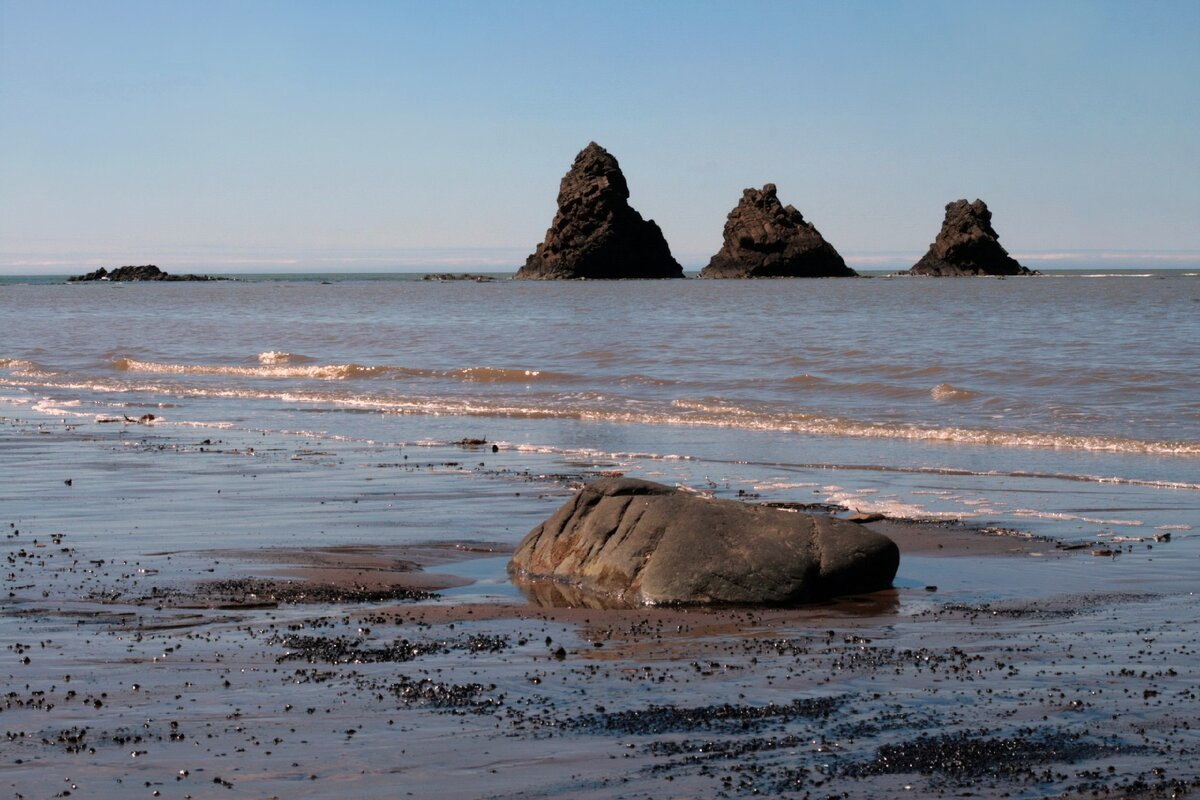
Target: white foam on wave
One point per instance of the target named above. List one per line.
(888, 506)
(62, 408)
(24, 368)
(683, 413)
(1065, 517)
(275, 357)
(324, 372)
(776, 485)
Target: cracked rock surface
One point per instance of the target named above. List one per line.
(633, 542)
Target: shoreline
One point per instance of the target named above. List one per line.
(727, 701)
(141, 662)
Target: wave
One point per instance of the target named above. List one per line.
(25, 368)
(595, 408)
(496, 375)
(281, 357)
(1065, 517)
(324, 372)
(277, 365)
(945, 392)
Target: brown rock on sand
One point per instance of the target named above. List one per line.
(642, 543)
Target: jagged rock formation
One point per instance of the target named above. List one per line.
(967, 244)
(631, 542)
(147, 272)
(765, 239)
(457, 276)
(596, 234)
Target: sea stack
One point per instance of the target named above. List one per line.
(596, 234)
(765, 239)
(967, 244)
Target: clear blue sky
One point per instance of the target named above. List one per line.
(375, 135)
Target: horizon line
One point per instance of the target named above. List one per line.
(508, 259)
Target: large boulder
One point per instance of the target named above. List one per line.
(765, 239)
(596, 234)
(967, 244)
(634, 542)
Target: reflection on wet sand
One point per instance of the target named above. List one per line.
(546, 593)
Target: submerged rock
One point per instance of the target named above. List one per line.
(596, 234)
(967, 244)
(146, 272)
(765, 239)
(634, 542)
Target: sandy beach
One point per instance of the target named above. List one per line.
(176, 627)
(465, 400)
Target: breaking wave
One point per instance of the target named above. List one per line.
(24, 368)
(944, 392)
(287, 365)
(590, 407)
(280, 357)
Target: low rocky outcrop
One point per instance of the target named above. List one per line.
(595, 233)
(765, 239)
(967, 244)
(634, 542)
(457, 276)
(147, 272)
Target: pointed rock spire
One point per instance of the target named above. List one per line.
(967, 244)
(596, 234)
(765, 239)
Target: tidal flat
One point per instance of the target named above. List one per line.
(207, 613)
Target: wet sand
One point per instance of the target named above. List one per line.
(280, 638)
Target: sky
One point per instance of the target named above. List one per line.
(362, 136)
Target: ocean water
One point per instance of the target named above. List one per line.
(1066, 405)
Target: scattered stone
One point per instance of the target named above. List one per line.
(725, 718)
(971, 757)
(346, 650)
(967, 244)
(863, 517)
(595, 233)
(146, 272)
(262, 593)
(765, 239)
(642, 543)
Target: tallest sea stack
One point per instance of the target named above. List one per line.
(596, 234)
